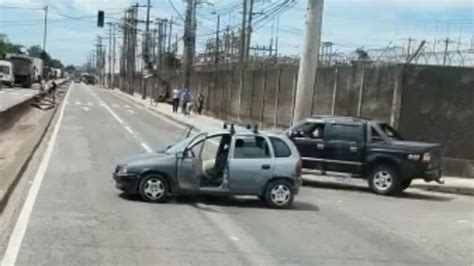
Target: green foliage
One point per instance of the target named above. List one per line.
(36, 51)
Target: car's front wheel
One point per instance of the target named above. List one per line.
(385, 180)
(153, 188)
(279, 194)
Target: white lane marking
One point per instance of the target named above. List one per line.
(127, 106)
(234, 238)
(162, 117)
(14, 244)
(115, 105)
(144, 145)
(129, 130)
(148, 149)
(85, 108)
(131, 111)
(78, 102)
(14, 93)
(463, 221)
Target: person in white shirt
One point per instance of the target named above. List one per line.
(175, 96)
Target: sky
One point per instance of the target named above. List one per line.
(349, 24)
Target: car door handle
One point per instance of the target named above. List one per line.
(265, 166)
(320, 146)
(353, 149)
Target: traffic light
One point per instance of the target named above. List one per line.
(100, 19)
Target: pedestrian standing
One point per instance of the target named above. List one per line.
(175, 95)
(187, 98)
(52, 91)
(200, 102)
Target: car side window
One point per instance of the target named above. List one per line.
(280, 148)
(344, 132)
(251, 147)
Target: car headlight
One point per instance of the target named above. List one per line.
(414, 157)
(121, 170)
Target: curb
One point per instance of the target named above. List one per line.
(468, 191)
(26, 162)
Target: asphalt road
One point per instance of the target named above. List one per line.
(79, 218)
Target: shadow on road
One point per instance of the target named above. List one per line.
(408, 194)
(225, 201)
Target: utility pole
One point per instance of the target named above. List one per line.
(243, 35)
(109, 80)
(188, 43)
(309, 59)
(409, 48)
(147, 37)
(216, 56)
(277, 35)
(170, 34)
(113, 57)
(445, 57)
(45, 33)
(249, 33)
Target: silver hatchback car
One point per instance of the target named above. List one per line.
(225, 162)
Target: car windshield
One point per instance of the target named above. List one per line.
(5, 69)
(390, 132)
(183, 143)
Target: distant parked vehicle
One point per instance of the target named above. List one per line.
(223, 162)
(37, 69)
(22, 68)
(367, 149)
(6, 73)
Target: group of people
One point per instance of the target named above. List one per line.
(185, 97)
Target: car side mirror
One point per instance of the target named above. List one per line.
(180, 155)
(293, 134)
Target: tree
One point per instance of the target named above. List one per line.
(71, 69)
(56, 64)
(6, 46)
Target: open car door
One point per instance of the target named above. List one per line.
(189, 165)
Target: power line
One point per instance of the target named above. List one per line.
(176, 10)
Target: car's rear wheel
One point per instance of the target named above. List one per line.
(279, 194)
(385, 180)
(153, 188)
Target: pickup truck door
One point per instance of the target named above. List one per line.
(344, 147)
(189, 165)
(310, 145)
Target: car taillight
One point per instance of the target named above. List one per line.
(299, 167)
(426, 157)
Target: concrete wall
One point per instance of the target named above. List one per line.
(438, 105)
(426, 102)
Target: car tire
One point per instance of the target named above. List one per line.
(385, 180)
(153, 188)
(279, 194)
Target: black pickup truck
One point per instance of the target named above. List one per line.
(366, 149)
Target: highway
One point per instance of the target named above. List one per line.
(73, 214)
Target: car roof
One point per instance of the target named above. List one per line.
(336, 118)
(244, 131)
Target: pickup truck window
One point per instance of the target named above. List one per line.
(251, 147)
(374, 135)
(344, 132)
(310, 130)
(390, 132)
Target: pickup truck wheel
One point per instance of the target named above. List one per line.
(153, 188)
(279, 194)
(385, 180)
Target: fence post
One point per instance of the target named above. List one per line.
(334, 91)
(361, 92)
(277, 101)
(397, 96)
(293, 98)
(262, 112)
